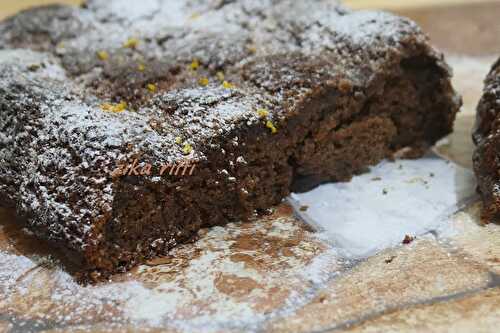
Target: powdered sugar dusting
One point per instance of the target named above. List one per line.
(378, 209)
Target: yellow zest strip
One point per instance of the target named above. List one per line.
(270, 125)
(194, 16)
(102, 55)
(187, 149)
(263, 113)
(220, 76)
(115, 108)
(131, 43)
(203, 81)
(152, 87)
(195, 64)
(227, 85)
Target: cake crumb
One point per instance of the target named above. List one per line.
(304, 208)
(322, 298)
(408, 239)
(34, 67)
(390, 259)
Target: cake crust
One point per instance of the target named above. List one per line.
(265, 97)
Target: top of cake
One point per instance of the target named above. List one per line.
(188, 69)
(488, 116)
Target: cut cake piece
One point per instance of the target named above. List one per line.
(487, 139)
(262, 98)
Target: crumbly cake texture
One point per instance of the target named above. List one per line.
(265, 96)
(487, 139)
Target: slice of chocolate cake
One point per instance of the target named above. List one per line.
(127, 126)
(487, 139)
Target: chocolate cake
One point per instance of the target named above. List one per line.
(259, 98)
(487, 139)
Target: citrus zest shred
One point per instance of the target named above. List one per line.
(203, 81)
(195, 64)
(220, 76)
(187, 149)
(131, 43)
(102, 55)
(227, 85)
(252, 49)
(194, 16)
(270, 125)
(114, 108)
(152, 87)
(263, 113)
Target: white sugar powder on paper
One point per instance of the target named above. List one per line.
(12, 269)
(376, 210)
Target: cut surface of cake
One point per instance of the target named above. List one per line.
(246, 100)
